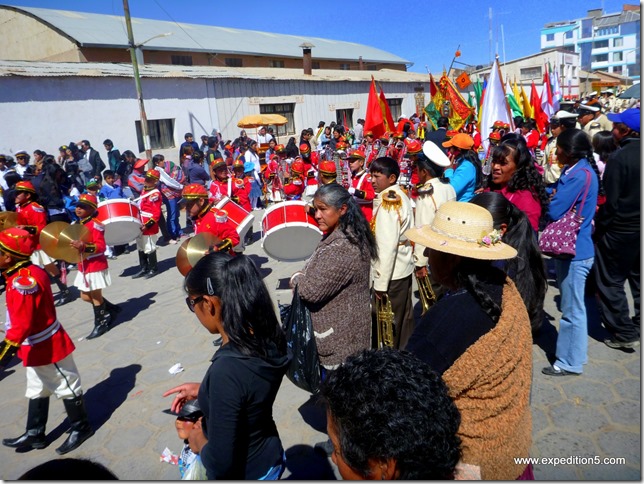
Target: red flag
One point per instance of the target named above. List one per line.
(374, 120)
(344, 121)
(386, 112)
(539, 116)
(461, 111)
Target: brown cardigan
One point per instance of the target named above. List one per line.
(490, 384)
(335, 286)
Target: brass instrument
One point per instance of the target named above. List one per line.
(384, 322)
(426, 293)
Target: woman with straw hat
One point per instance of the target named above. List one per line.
(478, 337)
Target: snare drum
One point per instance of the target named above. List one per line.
(289, 232)
(242, 219)
(121, 220)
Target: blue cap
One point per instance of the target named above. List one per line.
(630, 117)
(249, 166)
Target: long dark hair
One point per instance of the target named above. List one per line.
(604, 144)
(526, 176)
(50, 191)
(248, 313)
(353, 223)
(527, 270)
(577, 145)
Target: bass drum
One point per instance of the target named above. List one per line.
(121, 219)
(289, 232)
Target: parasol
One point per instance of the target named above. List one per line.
(632, 92)
(257, 120)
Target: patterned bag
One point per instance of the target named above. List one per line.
(559, 238)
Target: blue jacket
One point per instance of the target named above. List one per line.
(110, 193)
(571, 186)
(463, 179)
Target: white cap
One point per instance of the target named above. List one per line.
(587, 107)
(435, 154)
(564, 115)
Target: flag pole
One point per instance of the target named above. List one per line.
(456, 54)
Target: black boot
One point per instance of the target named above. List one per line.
(81, 429)
(34, 437)
(102, 320)
(143, 262)
(152, 265)
(112, 308)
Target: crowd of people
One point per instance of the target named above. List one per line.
(444, 395)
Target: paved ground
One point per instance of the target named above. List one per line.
(125, 372)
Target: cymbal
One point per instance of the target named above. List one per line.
(193, 249)
(8, 220)
(73, 232)
(49, 238)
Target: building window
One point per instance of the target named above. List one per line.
(618, 42)
(181, 60)
(600, 58)
(372, 67)
(286, 110)
(617, 69)
(600, 44)
(395, 106)
(550, 37)
(344, 117)
(276, 63)
(531, 73)
(161, 133)
(315, 65)
(345, 67)
(617, 56)
(569, 34)
(233, 62)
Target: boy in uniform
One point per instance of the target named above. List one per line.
(361, 187)
(37, 337)
(294, 186)
(150, 210)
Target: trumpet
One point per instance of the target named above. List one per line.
(426, 293)
(384, 322)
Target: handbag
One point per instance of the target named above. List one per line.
(559, 238)
(304, 368)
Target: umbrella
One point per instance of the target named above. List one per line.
(257, 120)
(631, 92)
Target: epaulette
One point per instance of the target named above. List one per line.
(38, 208)
(391, 201)
(99, 226)
(24, 283)
(239, 183)
(154, 197)
(296, 181)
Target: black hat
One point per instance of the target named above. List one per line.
(190, 409)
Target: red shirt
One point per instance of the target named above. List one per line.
(294, 188)
(94, 259)
(243, 194)
(31, 314)
(207, 222)
(224, 188)
(150, 208)
(362, 181)
(32, 214)
(525, 200)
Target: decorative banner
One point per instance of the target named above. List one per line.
(460, 111)
(463, 80)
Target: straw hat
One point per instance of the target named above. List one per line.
(463, 229)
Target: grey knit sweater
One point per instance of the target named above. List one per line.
(335, 286)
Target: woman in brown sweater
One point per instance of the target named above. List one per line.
(478, 338)
(334, 283)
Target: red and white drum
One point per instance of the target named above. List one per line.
(238, 216)
(289, 232)
(121, 220)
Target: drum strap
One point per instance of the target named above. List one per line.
(145, 195)
(230, 181)
(364, 175)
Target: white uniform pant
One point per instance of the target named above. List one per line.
(60, 378)
(146, 243)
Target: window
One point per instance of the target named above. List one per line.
(161, 134)
(600, 58)
(286, 110)
(342, 115)
(395, 106)
(372, 67)
(181, 60)
(569, 34)
(315, 65)
(550, 37)
(617, 56)
(600, 44)
(345, 67)
(618, 42)
(233, 62)
(617, 69)
(276, 63)
(531, 73)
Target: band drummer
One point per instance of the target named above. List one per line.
(294, 186)
(361, 187)
(327, 172)
(150, 211)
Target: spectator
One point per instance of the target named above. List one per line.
(466, 176)
(113, 155)
(189, 141)
(438, 135)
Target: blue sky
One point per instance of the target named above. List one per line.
(425, 32)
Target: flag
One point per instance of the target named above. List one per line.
(528, 112)
(374, 120)
(460, 111)
(495, 106)
(435, 103)
(512, 101)
(517, 95)
(557, 94)
(478, 91)
(344, 121)
(471, 100)
(537, 112)
(546, 96)
(463, 80)
(386, 112)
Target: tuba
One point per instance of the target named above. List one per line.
(384, 322)
(426, 293)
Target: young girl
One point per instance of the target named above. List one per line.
(239, 438)
(93, 275)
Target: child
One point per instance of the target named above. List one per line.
(150, 207)
(93, 275)
(37, 337)
(109, 191)
(190, 466)
(94, 185)
(392, 216)
(294, 186)
(361, 187)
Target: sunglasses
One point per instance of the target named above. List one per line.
(21, 157)
(193, 302)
